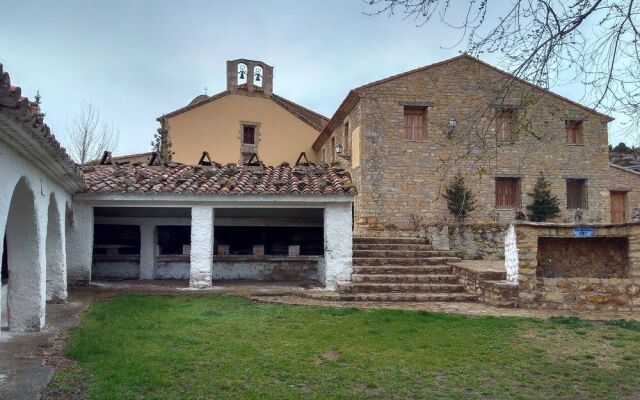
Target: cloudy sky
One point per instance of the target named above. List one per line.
(135, 60)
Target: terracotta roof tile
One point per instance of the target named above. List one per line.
(217, 179)
(29, 115)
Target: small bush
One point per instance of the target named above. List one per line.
(572, 322)
(624, 323)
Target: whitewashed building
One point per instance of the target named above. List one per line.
(62, 224)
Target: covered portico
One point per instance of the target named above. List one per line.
(278, 223)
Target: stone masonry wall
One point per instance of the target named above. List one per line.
(587, 292)
(400, 180)
(478, 242)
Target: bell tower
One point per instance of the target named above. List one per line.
(249, 76)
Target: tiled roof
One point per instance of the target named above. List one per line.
(230, 179)
(29, 116)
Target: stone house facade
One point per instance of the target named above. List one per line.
(404, 138)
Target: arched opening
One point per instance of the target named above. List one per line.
(25, 300)
(56, 263)
(257, 76)
(243, 73)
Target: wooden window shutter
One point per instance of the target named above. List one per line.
(577, 194)
(508, 193)
(574, 132)
(504, 126)
(345, 140)
(414, 119)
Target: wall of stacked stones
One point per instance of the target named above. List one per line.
(353, 118)
(402, 181)
(477, 241)
(587, 292)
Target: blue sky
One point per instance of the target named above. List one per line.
(135, 60)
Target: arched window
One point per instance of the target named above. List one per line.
(257, 76)
(242, 74)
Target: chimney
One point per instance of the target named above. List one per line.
(249, 76)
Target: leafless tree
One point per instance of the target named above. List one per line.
(88, 136)
(595, 43)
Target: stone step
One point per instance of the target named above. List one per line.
(390, 240)
(403, 253)
(373, 287)
(390, 297)
(403, 260)
(392, 246)
(404, 278)
(401, 269)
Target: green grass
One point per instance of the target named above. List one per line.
(220, 347)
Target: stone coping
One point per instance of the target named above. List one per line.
(274, 258)
(572, 225)
(481, 266)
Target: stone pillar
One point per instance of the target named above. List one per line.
(147, 251)
(201, 246)
(56, 255)
(79, 244)
(338, 243)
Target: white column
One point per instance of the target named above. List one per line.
(338, 240)
(27, 263)
(4, 210)
(80, 245)
(147, 251)
(201, 246)
(56, 256)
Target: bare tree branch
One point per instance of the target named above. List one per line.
(592, 43)
(88, 136)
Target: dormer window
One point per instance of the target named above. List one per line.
(243, 73)
(258, 76)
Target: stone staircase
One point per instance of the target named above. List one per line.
(399, 269)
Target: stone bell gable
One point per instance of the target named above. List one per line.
(406, 136)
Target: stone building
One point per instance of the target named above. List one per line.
(403, 139)
(246, 118)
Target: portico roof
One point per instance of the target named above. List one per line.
(230, 179)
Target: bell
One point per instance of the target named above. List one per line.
(242, 74)
(258, 77)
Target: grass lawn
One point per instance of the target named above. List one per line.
(219, 347)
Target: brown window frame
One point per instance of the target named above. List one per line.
(244, 134)
(505, 116)
(501, 201)
(582, 200)
(574, 131)
(415, 123)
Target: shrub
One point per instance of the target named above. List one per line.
(460, 200)
(544, 205)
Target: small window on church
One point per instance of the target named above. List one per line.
(257, 76)
(242, 74)
(249, 134)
